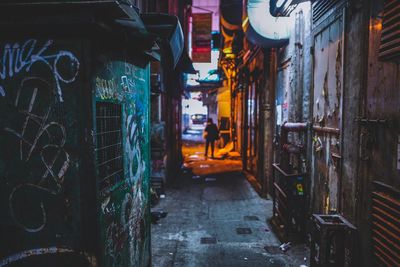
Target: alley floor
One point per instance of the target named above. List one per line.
(217, 220)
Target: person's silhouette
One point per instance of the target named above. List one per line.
(211, 133)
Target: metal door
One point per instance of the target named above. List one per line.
(327, 113)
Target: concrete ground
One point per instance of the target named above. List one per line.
(218, 220)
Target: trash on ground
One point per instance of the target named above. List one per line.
(157, 215)
(285, 246)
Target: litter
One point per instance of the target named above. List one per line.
(209, 179)
(285, 246)
(157, 215)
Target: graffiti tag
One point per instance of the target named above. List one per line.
(106, 89)
(17, 58)
(45, 137)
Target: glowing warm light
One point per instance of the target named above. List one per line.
(375, 24)
(227, 50)
(245, 22)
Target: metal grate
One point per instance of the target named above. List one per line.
(321, 7)
(109, 144)
(386, 224)
(390, 40)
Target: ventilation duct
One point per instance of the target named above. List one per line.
(262, 28)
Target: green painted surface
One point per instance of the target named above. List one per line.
(124, 205)
(43, 158)
(40, 103)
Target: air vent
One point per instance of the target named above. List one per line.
(109, 145)
(321, 7)
(386, 224)
(390, 40)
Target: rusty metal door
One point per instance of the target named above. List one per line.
(327, 113)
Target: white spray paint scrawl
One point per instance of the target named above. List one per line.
(16, 58)
(39, 136)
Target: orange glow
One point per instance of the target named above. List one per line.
(227, 50)
(375, 24)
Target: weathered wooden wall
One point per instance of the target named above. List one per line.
(379, 128)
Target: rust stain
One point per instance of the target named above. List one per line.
(338, 69)
(325, 91)
(322, 168)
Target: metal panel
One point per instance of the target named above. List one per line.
(322, 7)
(380, 127)
(327, 114)
(122, 107)
(386, 224)
(390, 41)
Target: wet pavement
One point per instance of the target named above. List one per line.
(217, 220)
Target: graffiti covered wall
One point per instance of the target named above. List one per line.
(122, 132)
(40, 90)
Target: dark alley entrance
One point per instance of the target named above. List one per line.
(215, 218)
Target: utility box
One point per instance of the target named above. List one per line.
(290, 194)
(332, 241)
(74, 134)
(289, 204)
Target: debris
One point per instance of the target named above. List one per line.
(285, 246)
(210, 179)
(162, 196)
(157, 215)
(204, 166)
(170, 253)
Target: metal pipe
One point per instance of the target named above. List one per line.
(294, 126)
(320, 129)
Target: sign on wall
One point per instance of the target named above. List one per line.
(201, 37)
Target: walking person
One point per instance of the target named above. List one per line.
(211, 134)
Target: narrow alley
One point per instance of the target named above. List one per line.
(217, 219)
(191, 133)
